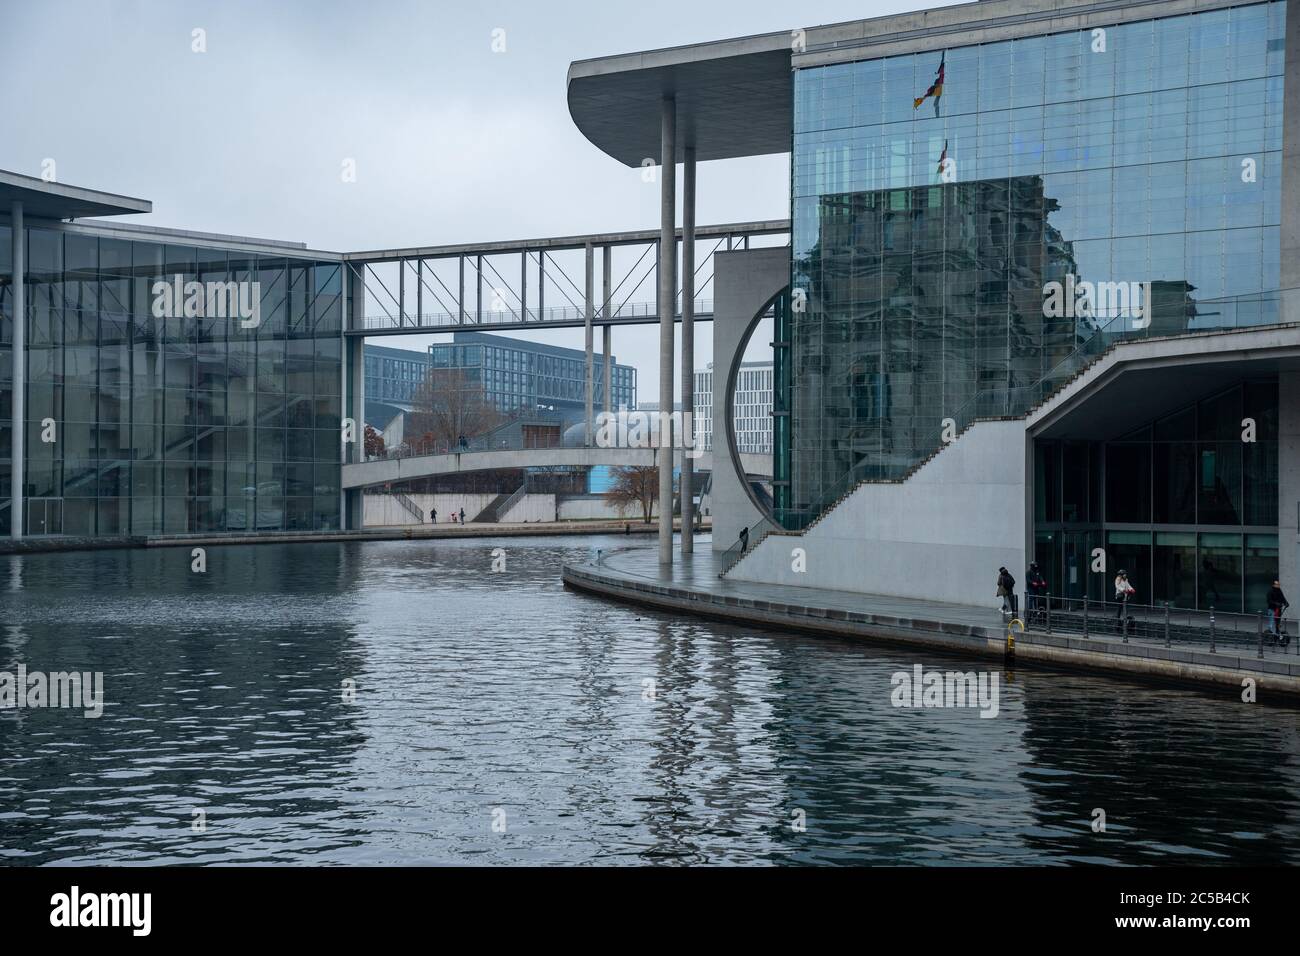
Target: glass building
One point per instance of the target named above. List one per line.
(1143, 158)
(518, 374)
(394, 375)
(138, 424)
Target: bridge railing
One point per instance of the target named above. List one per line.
(471, 319)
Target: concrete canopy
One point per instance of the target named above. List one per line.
(734, 98)
(46, 200)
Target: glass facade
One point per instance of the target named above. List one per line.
(394, 375)
(925, 237)
(1182, 503)
(138, 424)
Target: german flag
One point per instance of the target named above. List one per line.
(936, 88)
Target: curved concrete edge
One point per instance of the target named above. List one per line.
(1275, 681)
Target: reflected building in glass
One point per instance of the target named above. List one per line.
(1143, 156)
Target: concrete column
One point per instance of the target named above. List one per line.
(19, 436)
(607, 331)
(355, 352)
(1288, 485)
(590, 287)
(688, 344)
(606, 335)
(667, 316)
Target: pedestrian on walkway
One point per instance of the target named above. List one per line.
(433, 515)
(744, 540)
(462, 515)
(1037, 585)
(1123, 591)
(1277, 603)
(1007, 591)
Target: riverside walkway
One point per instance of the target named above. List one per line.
(692, 586)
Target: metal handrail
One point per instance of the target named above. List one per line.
(756, 532)
(411, 507)
(1163, 623)
(505, 506)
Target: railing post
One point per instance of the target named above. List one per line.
(1167, 624)
(1261, 635)
(1211, 629)
(1047, 609)
(1123, 619)
(1085, 617)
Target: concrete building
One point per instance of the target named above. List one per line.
(1040, 299)
(752, 421)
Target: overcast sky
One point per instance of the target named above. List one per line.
(453, 143)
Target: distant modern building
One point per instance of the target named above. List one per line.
(753, 408)
(543, 380)
(392, 377)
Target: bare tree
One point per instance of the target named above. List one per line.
(634, 485)
(449, 406)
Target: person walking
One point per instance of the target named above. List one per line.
(1277, 603)
(1007, 591)
(1123, 591)
(744, 540)
(433, 515)
(462, 515)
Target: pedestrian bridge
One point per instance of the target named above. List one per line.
(383, 471)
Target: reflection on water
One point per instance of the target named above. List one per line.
(598, 733)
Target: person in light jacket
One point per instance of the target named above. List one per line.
(1123, 591)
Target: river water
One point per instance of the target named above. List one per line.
(498, 718)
